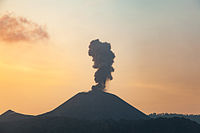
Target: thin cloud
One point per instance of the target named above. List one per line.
(19, 29)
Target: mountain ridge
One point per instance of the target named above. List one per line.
(95, 105)
(11, 115)
(92, 105)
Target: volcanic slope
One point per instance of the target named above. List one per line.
(97, 105)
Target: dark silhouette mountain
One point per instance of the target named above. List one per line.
(94, 112)
(12, 116)
(192, 117)
(97, 105)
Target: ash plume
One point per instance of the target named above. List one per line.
(18, 29)
(103, 59)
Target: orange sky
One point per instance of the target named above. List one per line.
(157, 54)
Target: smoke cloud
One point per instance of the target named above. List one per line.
(17, 29)
(103, 59)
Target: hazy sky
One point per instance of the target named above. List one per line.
(156, 43)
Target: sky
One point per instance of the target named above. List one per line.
(44, 59)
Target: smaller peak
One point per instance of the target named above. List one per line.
(8, 112)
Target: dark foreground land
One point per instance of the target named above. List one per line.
(171, 115)
(67, 125)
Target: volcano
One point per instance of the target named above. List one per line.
(96, 105)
